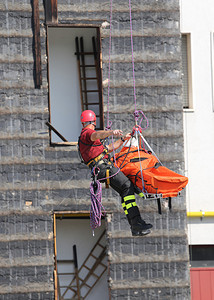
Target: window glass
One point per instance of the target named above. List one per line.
(186, 71)
(201, 256)
(185, 75)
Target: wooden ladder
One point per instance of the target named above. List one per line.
(90, 273)
(74, 287)
(88, 102)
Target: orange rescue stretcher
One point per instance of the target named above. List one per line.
(157, 179)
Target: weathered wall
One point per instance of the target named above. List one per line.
(153, 267)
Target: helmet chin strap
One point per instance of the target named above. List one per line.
(88, 123)
(92, 123)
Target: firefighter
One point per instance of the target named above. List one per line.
(95, 155)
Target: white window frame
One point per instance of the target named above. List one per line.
(55, 138)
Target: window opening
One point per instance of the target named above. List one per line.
(201, 256)
(75, 79)
(186, 71)
(80, 259)
(37, 45)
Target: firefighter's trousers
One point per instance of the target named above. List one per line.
(122, 185)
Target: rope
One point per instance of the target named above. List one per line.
(96, 197)
(109, 123)
(137, 112)
(96, 205)
(141, 169)
(109, 69)
(133, 72)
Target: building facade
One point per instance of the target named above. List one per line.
(43, 182)
(198, 124)
(198, 118)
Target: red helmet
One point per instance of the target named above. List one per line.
(87, 116)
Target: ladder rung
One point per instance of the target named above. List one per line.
(101, 245)
(84, 266)
(88, 78)
(85, 53)
(86, 284)
(94, 256)
(70, 287)
(91, 103)
(80, 279)
(90, 91)
(88, 66)
(65, 260)
(65, 274)
(95, 275)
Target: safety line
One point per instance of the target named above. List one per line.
(109, 69)
(132, 48)
(141, 169)
(136, 113)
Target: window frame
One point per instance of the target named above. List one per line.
(199, 254)
(82, 214)
(189, 71)
(98, 36)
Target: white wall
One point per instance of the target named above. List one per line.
(197, 18)
(78, 232)
(65, 103)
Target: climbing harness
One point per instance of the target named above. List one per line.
(93, 162)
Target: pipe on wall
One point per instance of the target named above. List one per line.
(200, 214)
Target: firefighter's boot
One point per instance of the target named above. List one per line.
(139, 227)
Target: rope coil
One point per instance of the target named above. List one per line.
(137, 115)
(96, 205)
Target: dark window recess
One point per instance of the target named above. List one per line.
(37, 72)
(201, 256)
(51, 12)
(185, 73)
